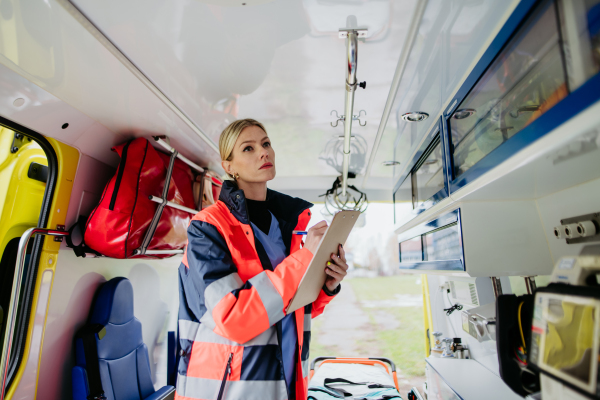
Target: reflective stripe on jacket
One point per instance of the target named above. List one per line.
(231, 299)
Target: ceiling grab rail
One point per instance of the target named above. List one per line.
(14, 298)
(352, 51)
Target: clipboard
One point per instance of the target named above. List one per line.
(314, 278)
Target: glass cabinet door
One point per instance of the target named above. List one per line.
(442, 244)
(411, 250)
(525, 81)
(428, 178)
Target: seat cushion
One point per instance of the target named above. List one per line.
(113, 303)
(80, 383)
(120, 373)
(122, 354)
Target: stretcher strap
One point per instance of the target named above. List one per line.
(370, 385)
(336, 393)
(343, 393)
(332, 392)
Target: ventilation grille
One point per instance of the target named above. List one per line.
(473, 293)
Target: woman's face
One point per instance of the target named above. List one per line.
(253, 157)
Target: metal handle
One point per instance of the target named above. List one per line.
(352, 54)
(186, 160)
(173, 205)
(15, 295)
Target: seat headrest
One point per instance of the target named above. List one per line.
(113, 303)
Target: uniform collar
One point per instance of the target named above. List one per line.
(283, 207)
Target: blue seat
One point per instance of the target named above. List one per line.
(122, 356)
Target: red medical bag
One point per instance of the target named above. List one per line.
(127, 223)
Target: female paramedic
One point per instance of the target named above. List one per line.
(241, 269)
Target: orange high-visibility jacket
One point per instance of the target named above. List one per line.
(230, 304)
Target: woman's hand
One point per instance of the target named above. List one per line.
(336, 269)
(314, 236)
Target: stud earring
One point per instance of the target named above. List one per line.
(237, 176)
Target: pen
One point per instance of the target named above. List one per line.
(300, 232)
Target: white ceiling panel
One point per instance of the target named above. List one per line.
(66, 75)
(280, 62)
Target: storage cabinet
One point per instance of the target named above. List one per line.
(434, 245)
(544, 74)
(541, 76)
(525, 81)
(508, 241)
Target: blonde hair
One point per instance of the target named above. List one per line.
(230, 135)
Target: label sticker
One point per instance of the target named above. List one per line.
(566, 263)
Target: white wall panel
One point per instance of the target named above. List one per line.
(155, 288)
(156, 301)
(504, 238)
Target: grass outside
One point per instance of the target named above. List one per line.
(403, 342)
(316, 348)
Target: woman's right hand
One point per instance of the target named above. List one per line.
(314, 237)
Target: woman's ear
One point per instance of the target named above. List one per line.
(227, 167)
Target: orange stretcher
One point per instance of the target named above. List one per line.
(371, 377)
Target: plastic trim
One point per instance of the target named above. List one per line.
(446, 265)
(443, 379)
(447, 152)
(417, 156)
(28, 291)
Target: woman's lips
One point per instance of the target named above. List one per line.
(266, 165)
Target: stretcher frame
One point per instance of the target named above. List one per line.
(388, 364)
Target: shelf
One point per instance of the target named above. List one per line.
(469, 380)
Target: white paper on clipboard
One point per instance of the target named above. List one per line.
(314, 278)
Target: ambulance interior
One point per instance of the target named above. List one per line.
(472, 126)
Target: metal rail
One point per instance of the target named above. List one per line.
(186, 160)
(15, 296)
(173, 205)
(402, 62)
(352, 49)
(497, 286)
(158, 252)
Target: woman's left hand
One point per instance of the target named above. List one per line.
(336, 269)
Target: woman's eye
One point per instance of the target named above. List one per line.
(248, 148)
(266, 144)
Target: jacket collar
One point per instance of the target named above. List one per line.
(283, 207)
